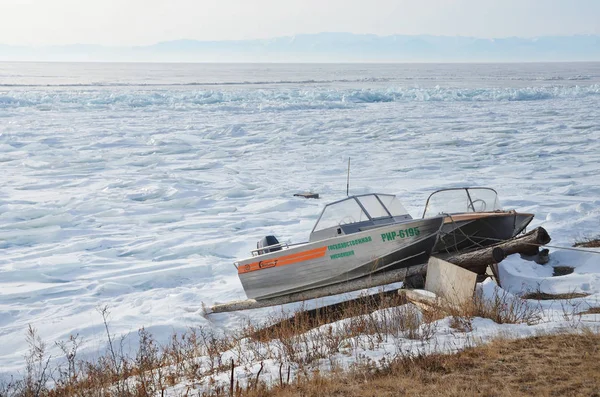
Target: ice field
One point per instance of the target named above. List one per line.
(137, 186)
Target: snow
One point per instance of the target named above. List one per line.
(521, 277)
(140, 198)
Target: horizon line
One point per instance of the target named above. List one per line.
(366, 62)
(531, 38)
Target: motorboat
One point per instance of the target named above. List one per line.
(473, 218)
(353, 238)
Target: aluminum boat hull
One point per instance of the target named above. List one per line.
(480, 229)
(346, 257)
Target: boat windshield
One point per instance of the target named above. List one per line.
(359, 209)
(453, 201)
(393, 205)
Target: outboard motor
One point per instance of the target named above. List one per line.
(265, 242)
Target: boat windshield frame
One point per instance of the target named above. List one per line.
(356, 199)
(470, 203)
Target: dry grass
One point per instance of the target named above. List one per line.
(588, 243)
(562, 270)
(305, 320)
(591, 310)
(193, 357)
(542, 296)
(556, 365)
(502, 308)
(301, 343)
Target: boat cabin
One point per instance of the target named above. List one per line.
(357, 213)
(461, 200)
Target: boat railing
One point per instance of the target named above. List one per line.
(257, 251)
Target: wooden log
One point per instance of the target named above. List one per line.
(478, 260)
(527, 244)
(307, 195)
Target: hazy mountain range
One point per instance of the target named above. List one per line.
(328, 47)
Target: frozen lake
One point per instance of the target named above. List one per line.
(138, 185)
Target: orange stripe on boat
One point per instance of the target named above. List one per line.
(283, 260)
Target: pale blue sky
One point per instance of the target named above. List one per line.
(140, 22)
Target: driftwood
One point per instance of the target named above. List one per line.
(478, 260)
(307, 195)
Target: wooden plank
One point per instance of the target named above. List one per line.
(450, 282)
(307, 195)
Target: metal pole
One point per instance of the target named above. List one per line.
(348, 180)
